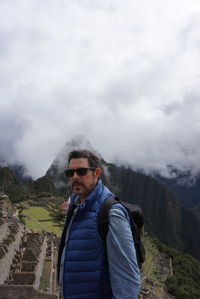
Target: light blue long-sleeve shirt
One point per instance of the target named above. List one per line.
(124, 271)
(123, 267)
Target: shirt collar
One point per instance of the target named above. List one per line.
(77, 202)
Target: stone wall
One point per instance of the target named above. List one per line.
(10, 244)
(4, 230)
(41, 263)
(56, 242)
(29, 261)
(23, 292)
(23, 255)
(6, 207)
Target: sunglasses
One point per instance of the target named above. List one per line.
(80, 171)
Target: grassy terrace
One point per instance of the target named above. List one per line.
(45, 279)
(154, 271)
(38, 219)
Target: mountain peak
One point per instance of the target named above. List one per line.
(79, 142)
(76, 143)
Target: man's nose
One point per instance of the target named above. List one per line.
(75, 175)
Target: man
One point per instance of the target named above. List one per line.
(87, 268)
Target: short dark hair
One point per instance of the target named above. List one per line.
(93, 160)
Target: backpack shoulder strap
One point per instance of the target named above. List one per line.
(103, 224)
(103, 217)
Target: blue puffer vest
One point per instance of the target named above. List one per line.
(86, 273)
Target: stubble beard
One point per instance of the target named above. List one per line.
(81, 190)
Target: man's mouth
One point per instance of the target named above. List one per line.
(77, 184)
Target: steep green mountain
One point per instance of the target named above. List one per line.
(184, 186)
(20, 190)
(196, 210)
(11, 185)
(43, 187)
(165, 217)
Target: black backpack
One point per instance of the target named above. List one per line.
(136, 220)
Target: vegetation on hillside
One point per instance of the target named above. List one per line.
(18, 191)
(44, 184)
(185, 281)
(165, 218)
(155, 271)
(11, 186)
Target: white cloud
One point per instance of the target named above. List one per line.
(123, 73)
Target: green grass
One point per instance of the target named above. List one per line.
(152, 270)
(45, 278)
(38, 219)
(150, 251)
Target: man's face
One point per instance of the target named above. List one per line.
(82, 185)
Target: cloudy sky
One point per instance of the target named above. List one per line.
(125, 73)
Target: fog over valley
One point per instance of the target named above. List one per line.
(124, 74)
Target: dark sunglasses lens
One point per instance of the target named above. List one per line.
(69, 172)
(81, 171)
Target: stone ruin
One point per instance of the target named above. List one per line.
(27, 259)
(7, 210)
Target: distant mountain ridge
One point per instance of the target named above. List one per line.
(184, 186)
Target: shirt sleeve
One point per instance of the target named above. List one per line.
(123, 268)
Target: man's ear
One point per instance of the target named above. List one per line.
(98, 172)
